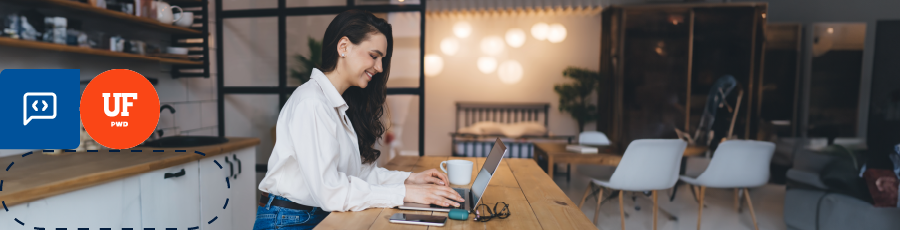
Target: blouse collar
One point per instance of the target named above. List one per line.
(334, 98)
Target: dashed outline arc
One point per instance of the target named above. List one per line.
(112, 150)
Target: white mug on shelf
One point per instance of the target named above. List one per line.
(459, 171)
(185, 19)
(164, 12)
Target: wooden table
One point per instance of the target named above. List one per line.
(535, 201)
(557, 153)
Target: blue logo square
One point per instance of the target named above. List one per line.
(40, 109)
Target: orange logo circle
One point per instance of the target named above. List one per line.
(119, 108)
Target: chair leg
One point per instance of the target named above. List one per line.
(750, 205)
(737, 200)
(700, 213)
(695, 192)
(655, 207)
(587, 192)
(674, 191)
(622, 208)
(597, 209)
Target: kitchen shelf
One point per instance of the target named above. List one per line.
(4, 41)
(127, 18)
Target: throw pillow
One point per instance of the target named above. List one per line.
(534, 129)
(842, 177)
(488, 128)
(882, 184)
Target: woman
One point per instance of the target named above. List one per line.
(324, 159)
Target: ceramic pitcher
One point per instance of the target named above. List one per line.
(164, 12)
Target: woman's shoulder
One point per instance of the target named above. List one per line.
(310, 93)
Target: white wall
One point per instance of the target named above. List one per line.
(542, 61)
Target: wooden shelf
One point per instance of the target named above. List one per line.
(123, 17)
(4, 41)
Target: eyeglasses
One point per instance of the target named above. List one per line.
(502, 213)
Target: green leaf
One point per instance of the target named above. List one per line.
(304, 65)
(573, 98)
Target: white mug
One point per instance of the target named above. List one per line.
(186, 19)
(459, 171)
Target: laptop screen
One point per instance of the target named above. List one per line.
(484, 176)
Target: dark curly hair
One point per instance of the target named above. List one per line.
(366, 104)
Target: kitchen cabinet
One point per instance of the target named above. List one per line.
(216, 190)
(115, 204)
(181, 197)
(243, 189)
(170, 198)
(239, 190)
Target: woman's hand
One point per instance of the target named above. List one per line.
(432, 194)
(431, 176)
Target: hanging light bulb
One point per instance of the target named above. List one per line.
(462, 29)
(449, 46)
(510, 72)
(515, 37)
(539, 31)
(557, 33)
(492, 45)
(433, 65)
(487, 65)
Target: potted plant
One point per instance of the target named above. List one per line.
(573, 98)
(306, 64)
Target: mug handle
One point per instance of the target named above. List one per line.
(442, 166)
(180, 13)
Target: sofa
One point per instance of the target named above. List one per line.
(811, 204)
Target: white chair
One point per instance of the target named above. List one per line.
(647, 165)
(593, 138)
(737, 164)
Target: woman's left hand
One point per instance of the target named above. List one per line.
(431, 176)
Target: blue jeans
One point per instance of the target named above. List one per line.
(272, 217)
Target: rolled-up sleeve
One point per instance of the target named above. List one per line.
(317, 153)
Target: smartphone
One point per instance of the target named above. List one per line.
(402, 218)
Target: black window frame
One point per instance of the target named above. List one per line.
(282, 12)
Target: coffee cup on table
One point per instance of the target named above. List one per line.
(459, 171)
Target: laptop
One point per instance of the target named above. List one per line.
(474, 193)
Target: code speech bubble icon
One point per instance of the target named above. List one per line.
(38, 105)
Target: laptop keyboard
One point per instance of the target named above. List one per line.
(461, 193)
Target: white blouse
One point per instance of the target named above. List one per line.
(316, 158)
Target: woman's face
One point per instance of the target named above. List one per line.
(363, 60)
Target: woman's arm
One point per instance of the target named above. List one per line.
(379, 175)
(316, 152)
